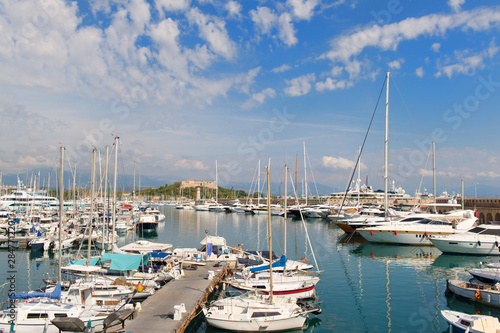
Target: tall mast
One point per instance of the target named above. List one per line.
(133, 192)
(216, 186)
(61, 204)
(92, 195)
(114, 192)
(286, 207)
(434, 172)
(106, 199)
(359, 172)
(462, 194)
(270, 237)
(386, 151)
(305, 170)
(296, 162)
(74, 192)
(258, 185)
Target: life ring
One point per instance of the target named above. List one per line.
(478, 296)
(169, 266)
(304, 260)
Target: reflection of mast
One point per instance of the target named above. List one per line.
(388, 299)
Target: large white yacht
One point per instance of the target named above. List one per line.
(22, 198)
(419, 232)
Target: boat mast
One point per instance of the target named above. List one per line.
(258, 186)
(434, 172)
(305, 170)
(285, 208)
(386, 151)
(296, 163)
(61, 204)
(114, 192)
(216, 186)
(359, 173)
(133, 192)
(92, 194)
(462, 194)
(270, 238)
(74, 193)
(105, 230)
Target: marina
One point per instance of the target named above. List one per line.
(364, 286)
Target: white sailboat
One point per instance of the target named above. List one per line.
(257, 312)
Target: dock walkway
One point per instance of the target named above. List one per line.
(158, 310)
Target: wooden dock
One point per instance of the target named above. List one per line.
(192, 289)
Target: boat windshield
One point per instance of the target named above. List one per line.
(433, 222)
(485, 231)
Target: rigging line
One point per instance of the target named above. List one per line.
(361, 149)
(425, 168)
(312, 174)
(308, 240)
(404, 102)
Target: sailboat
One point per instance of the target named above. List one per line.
(258, 312)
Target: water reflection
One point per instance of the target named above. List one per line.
(446, 260)
(396, 252)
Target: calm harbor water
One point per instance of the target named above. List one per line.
(365, 287)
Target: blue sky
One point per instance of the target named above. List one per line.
(185, 83)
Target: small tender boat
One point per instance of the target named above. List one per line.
(480, 293)
(462, 322)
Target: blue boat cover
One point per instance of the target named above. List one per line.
(161, 255)
(280, 263)
(56, 294)
(125, 262)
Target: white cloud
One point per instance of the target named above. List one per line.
(173, 5)
(336, 71)
(346, 47)
(338, 163)
(259, 98)
(286, 30)
(233, 8)
(466, 62)
(456, 5)
(420, 72)
(281, 69)
(396, 64)
(303, 9)
(488, 174)
(264, 19)
(435, 47)
(190, 165)
(213, 31)
(332, 84)
(300, 86)
(248, 79)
